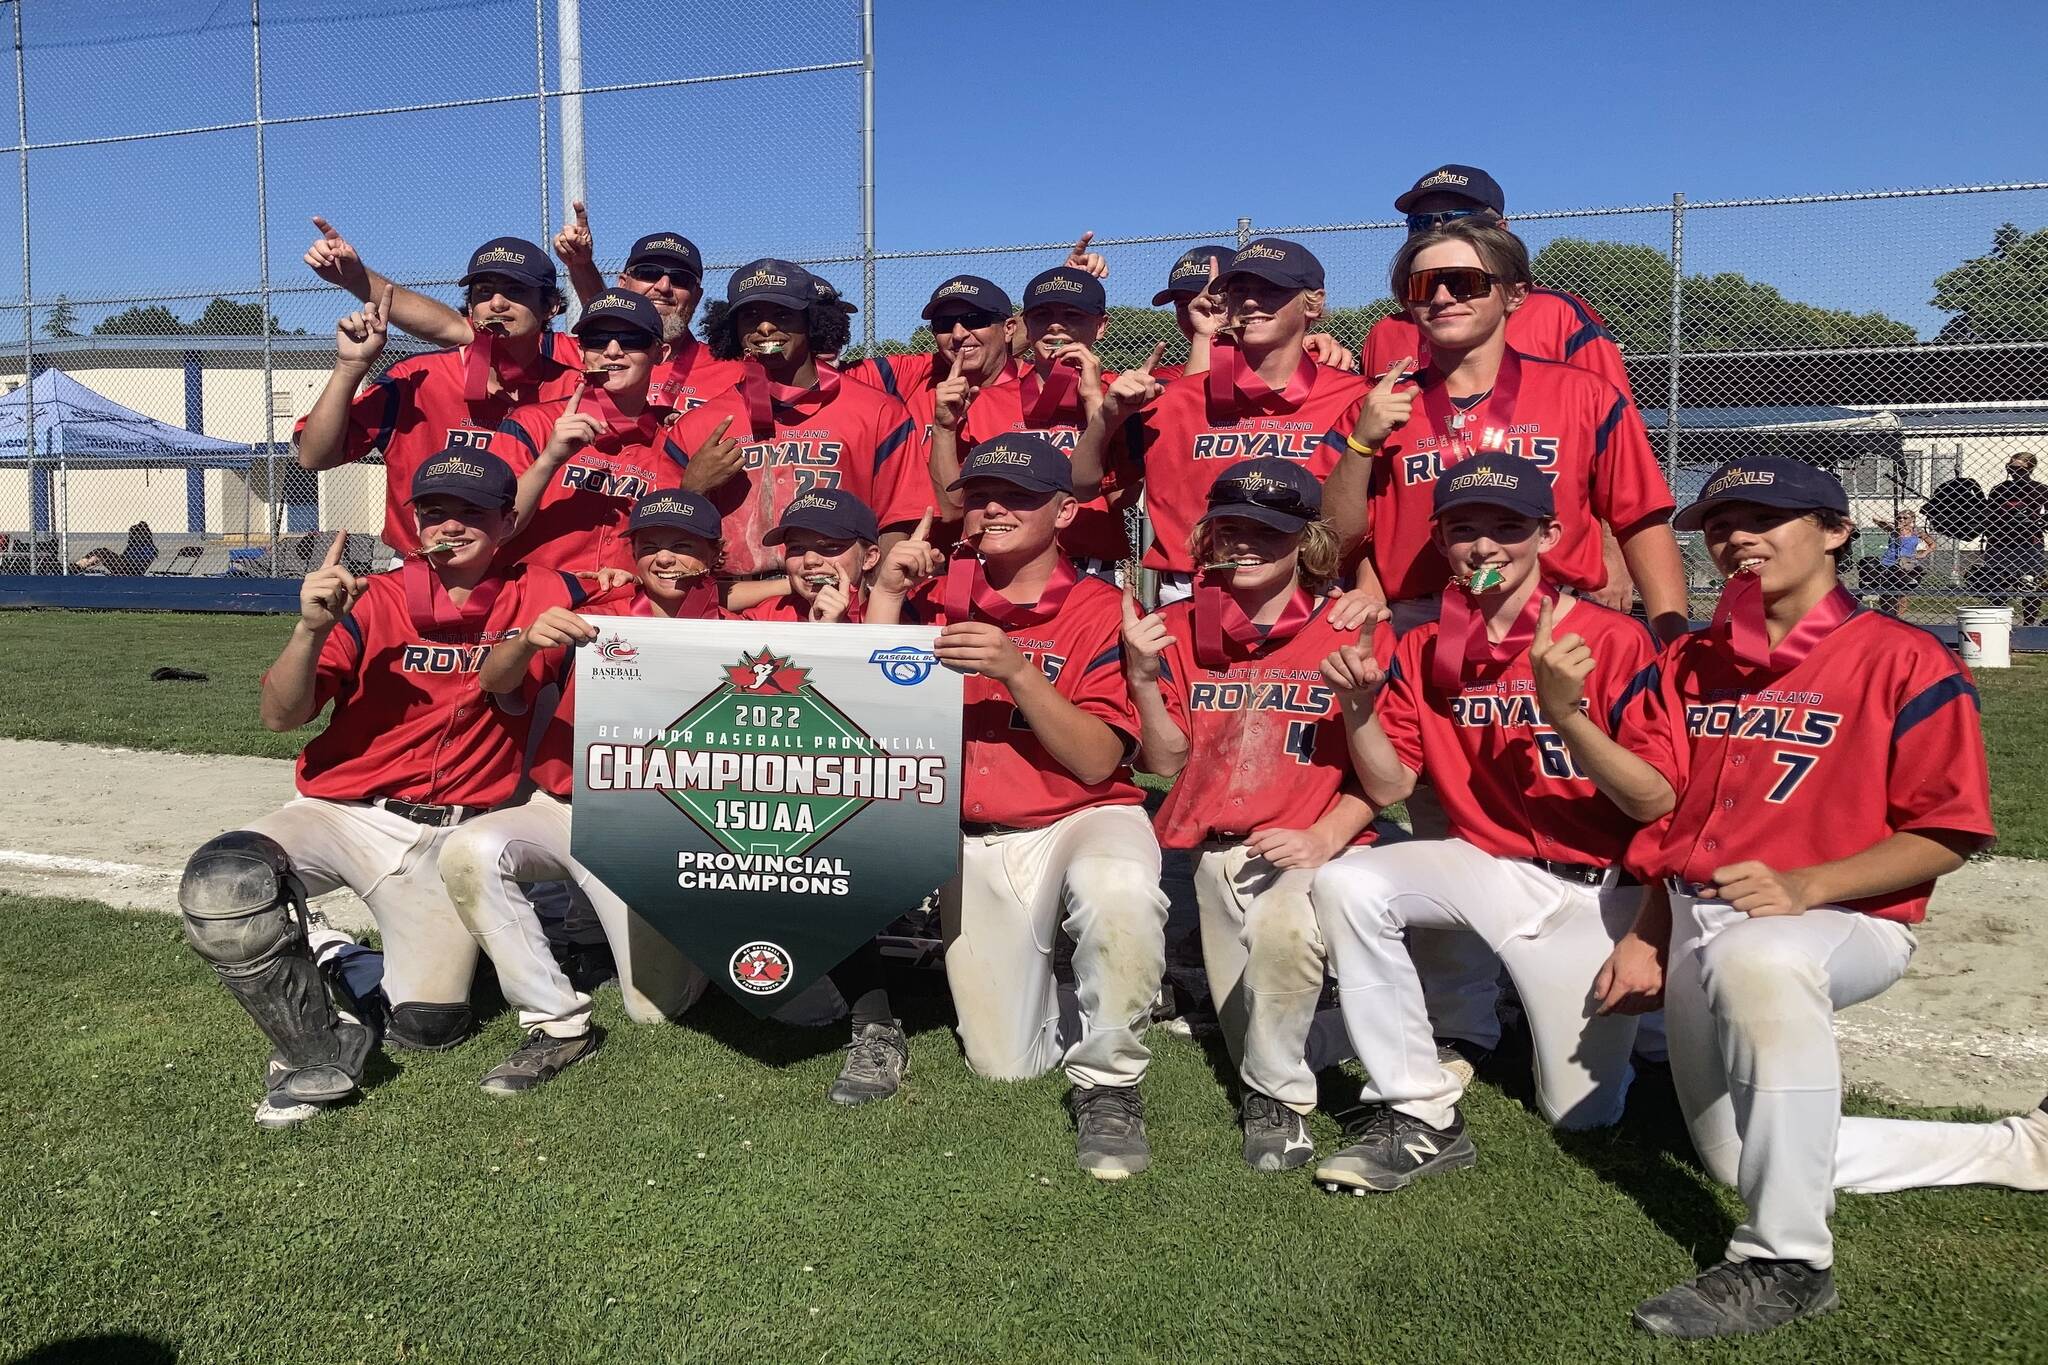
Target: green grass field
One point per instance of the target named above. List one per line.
(84, 676)
(687, 1194)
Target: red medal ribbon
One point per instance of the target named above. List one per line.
(431, 608)
(1490, 417)
(1051, 397)
(597, 400)
(767, 400)
(1223, 631)
(487, 352)
(1234, 385)
(1461, 636)
(968, 595)
(1741, 610)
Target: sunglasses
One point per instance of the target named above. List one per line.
(1429, 222)
(674, 274)
(1463, 281)
(628, 341)
(973, 320)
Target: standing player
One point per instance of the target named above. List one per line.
(1480, 394)
(1263, 396)
(1199, 312)
(1533, 862)
(427, 403)
(1811, 769)
(1231, 676)
(1055, 834)
(407, 757)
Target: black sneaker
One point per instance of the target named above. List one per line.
(1461, 1058)
(1740, 1298)
(539, 1059)
(1111, 1119)
(1389, 1149)
(589, 966)
(1275, 1137)
(876, 1061)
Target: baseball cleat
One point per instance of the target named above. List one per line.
(1740, 1298)
(589, 966)
(1275, 1137)
(1111, 1121)
(277, 1110)
(540, 1059)
(876, 1061)
(1390, 1150)
(1461, 1058)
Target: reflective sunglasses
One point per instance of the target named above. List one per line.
(973, 320)
(1463, 281)
(1429, 222)
(628, 340)
(648, 273)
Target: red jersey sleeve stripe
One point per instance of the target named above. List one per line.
(355, 632)
(1591, 332)
(1931, 700)
(1113, 655)
(1648, 680)
(1607, 426)
(1137, 436)
(578, 594)
(387, 421)
(887, 374)
(889, 444)
(508, 427)
(676, 454)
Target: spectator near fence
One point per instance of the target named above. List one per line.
(2014, 513)
(1898, 570)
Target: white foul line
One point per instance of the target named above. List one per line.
(58, 862)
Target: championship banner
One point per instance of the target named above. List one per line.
(767, 795)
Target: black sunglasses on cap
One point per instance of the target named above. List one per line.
(647, 273)
(974, 319)
(628, 339)
(1464, 282)
(1429, 222)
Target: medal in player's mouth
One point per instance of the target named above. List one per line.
(765, 348)
(1484, 578)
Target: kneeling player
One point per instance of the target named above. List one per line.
(1055, 830)
(676, 552)
(1532, 864)
(1229, 679)
(406, 759)
(1820, 765)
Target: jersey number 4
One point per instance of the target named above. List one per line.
(1301, 741)
(1797, 766)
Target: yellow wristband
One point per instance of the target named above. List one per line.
(1359, 448)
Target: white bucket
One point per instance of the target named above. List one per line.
(1984, 635)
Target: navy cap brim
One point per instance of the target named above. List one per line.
(1251, 511)
(466, 495)
(1170, 295)
(1691, 516)
(1028, 482)
(793, 301)
(1269, 271)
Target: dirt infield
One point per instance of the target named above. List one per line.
(1968, 1025)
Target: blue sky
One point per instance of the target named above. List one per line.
(1020, 122)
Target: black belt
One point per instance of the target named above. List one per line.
(1684, 888)
(427, 815)
(979, 829)
(1586, 874)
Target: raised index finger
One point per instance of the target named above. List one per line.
(334, 550)
(959, 362)
(924, 527)
(1394, 373)
(1158, 354)
(1545, 617)
(326, 228)
(582, 214)
(1081, 245)
(1130, 608)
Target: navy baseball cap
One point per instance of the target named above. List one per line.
(1064, 284)
(972, 290)
(1277, 261)
(1023, 458)
(666, 248)
(674, 507)
(771, 281)
(1190, 274)
(1277, 492)
(824, 291)
(1467, 182)
(513, 257)
(475, 476)
(616, 308)
(1497, 480)
(1768, 481)
(828, 511)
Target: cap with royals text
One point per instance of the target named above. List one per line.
(513, 257)
(1768, 481)
(1277, 261)
(1496, 480)
(1467, 182)
(666, 248)
(672, 507)
(771, 281)
(469, 474)
(1278, 493)
(1065, 285)
(971, 290)
(1022, 458)
(616, 309)
(1190, 274)
(828, 511)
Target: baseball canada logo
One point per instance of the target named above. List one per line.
(614, 649)
(760, 967)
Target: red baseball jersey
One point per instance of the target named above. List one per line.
(1180, 443)
(1011, 778)
(1508, 784)
(415, 409)
(1877, 730)
(689, 376)
(899, 376)
(1551, 324)
(409, 722)
(580, 524)
(1267, 747)
(1571, 423)
(789, 607)
(858, 440)
(1097, 531)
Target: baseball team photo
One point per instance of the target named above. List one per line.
(871, 681)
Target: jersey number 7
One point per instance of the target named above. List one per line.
(1797, 766)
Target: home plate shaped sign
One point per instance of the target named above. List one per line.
(768, 796)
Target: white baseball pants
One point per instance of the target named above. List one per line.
(1749, 1005)
(1263, 954)
(1095, 872)
(1552, 934)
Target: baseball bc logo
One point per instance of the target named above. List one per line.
(905, 665)
(760, 967)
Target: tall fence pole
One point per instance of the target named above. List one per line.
(277, 490)
(1673, 360)
(540, 101)
(28, 314)
(569, 78)
(1244, 233)
(867, 174)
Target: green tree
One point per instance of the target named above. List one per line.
(2000, 296)
(227, 318)
(62, 320)
(138, 321)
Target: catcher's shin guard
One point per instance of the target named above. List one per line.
(245, 913)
